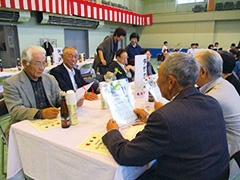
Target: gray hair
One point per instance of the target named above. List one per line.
(27, 52)
(183, 67)
(211, 61)
(66, 48)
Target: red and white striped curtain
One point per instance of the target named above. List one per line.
(52, 6)
(108, 13)
(80, 8)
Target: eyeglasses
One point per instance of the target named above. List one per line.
(39, 64)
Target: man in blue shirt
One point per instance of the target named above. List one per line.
(133, 48)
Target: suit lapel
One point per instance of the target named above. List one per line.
(47, 83)
(27, 88)
(66, 77)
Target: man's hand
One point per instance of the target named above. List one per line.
(80, 102)
(157, 105)
(50, 113)
(90, 96)
(142, 115)
(129, 67)
(104, 62)
(112, 125)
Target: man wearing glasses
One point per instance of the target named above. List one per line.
(32, 94)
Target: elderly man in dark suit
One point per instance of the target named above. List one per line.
(68, 77)
(187, 136)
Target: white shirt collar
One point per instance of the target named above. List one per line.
(70, 72)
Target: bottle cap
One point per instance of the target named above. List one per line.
(62, 93)
(71, 97)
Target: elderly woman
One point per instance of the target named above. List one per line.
(119, 69)
(150, 70)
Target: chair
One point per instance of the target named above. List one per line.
(160, 57)
(4, 143)
(228, 6)
(238, 6)
(86, 70)
(197, 8)
(3, 107)
(236, 157)
(219, 6)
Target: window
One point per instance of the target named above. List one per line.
(188, 1)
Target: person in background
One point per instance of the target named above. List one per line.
(233, 46)
(210, 46)
(229, 63)
(236, 54)
(133, 48)
(211, 83)
(216, 46)
(31, 94)
(119, 67)
(191, 49)
(196, 46)
(106, 50)
(68, 77)
(150, 70)
(187, 136)
(165, 49)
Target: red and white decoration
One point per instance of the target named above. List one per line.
(80, 8)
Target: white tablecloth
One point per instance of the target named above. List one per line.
(52, 154)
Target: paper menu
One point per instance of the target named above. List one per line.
(151, 84)
(45, 124)
(94, 143)
(132, 131)
(81, 91)
(120, 99)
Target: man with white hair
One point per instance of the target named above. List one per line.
(211, 83)
(31, 94)
(187, 136)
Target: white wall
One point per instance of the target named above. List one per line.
(31, 32)
(204, 28)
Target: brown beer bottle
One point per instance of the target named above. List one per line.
(19, 66)
(65, 118)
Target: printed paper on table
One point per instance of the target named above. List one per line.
(45, 124)
(132, 132)
(94, 143)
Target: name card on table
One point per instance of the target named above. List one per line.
(45, 124)
(140, 73)
(94, 143)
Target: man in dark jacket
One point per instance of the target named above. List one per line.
(68, 77)
(187, 136)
